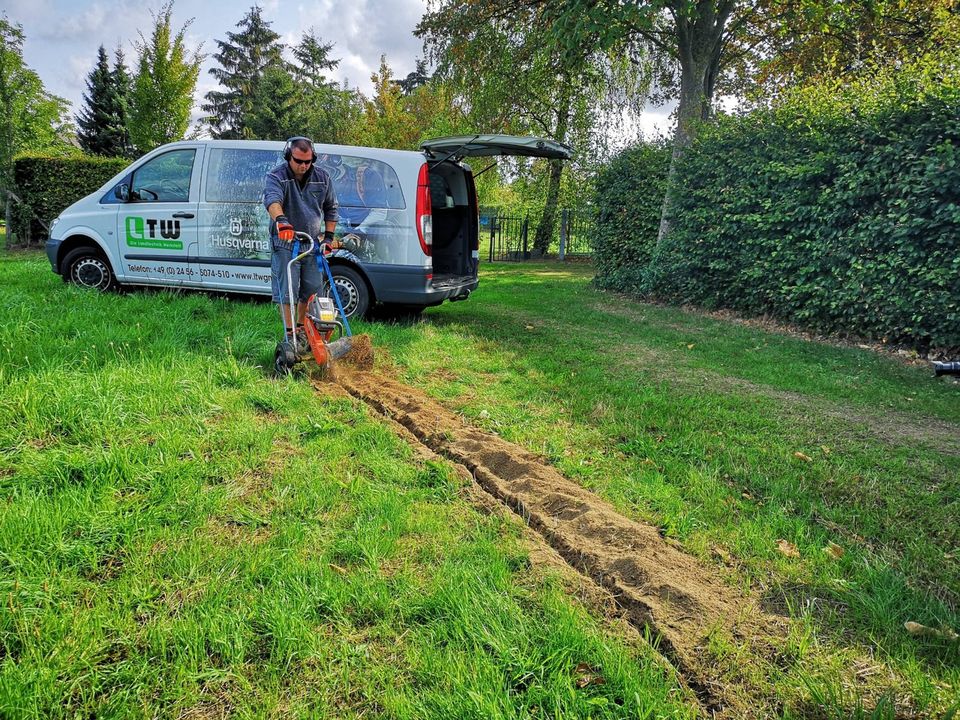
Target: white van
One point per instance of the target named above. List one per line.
(190, 215)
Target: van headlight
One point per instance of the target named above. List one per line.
(54, 224)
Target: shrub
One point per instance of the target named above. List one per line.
(628, 199)
(48, 185)
(838, 210)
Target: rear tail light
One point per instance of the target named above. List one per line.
(424, 211)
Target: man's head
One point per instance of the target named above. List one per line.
(301, 157)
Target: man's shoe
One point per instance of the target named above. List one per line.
(303, 345)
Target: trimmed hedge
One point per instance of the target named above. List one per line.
(47, 185)
(840, 213)
(629, 198)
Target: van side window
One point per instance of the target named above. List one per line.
(165, 178)
(362, 182)
(236, 175)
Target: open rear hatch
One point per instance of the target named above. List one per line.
(453, 197)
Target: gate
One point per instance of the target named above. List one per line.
(510, 237)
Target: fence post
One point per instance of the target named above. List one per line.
(564, 228)
(526, 225)
(493, 229)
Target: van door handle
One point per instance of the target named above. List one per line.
(184, 215)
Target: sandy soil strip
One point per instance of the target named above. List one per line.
(657, 585)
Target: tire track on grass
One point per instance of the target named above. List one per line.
(656, 585)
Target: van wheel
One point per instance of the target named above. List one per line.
(87, 268)
(353, 291)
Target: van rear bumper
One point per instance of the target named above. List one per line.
(403, 285)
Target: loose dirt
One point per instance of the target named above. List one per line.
(659, 588)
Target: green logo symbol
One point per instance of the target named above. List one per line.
(135, 229)
(142, 232)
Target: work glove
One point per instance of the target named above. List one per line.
(285, 230)
(328, 245)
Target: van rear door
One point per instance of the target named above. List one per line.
(457, 148)
(453, 200)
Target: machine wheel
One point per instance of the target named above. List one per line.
(86, 267)
(284, 359)
(353, 291)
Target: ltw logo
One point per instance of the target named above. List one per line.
(142, 232)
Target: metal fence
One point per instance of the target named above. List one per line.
(510, 237)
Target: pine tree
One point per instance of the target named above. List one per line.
(328, 111)
(244, 57)
(96, 123)
(122, 86)
(313, 60)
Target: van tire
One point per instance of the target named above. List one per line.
(353, 291)
(87, 267)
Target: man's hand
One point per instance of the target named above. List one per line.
(285, 230)
(329, 244)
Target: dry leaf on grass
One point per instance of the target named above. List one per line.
(834, 550)
(587, 675)
(918, 630)
(788, 548)
(800, 456)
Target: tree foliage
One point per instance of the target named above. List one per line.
(804, 42)
(102, 122)
(244, 57)
(31, 119)
(392, 119)
(511, 79)
(162, 94)
(330, 112)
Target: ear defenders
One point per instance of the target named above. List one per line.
(288, 148)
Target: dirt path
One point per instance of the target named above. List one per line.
(657, 586)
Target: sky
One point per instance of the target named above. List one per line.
(62, 36)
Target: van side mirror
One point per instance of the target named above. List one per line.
(122, 192)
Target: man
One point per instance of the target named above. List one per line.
(299, 196)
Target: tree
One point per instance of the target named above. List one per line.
(803, 42)
(123, 87)
(102, 124)
(277, 110)
(162, 94)
(511, 80)
(244, 57)
(31, 119)
(330, 112)
(418, 78)
(394, 120)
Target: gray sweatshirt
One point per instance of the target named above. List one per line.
(308, 208)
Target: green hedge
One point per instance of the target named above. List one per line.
(629, 198)
(47, 185)
(839, 212)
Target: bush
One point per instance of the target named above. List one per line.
(629, 198)
(48, 185)
(838, 210)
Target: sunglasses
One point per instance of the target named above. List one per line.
(298, 161)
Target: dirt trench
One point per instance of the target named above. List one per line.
(656, 586)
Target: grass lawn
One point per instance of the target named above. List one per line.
(183, 536)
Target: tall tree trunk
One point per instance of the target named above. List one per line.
(548, 220)
(699, 45)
